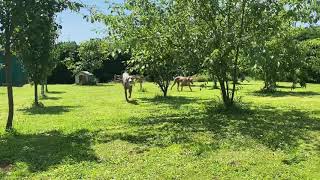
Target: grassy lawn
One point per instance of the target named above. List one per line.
(92, 133)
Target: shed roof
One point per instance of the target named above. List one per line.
(85, 72)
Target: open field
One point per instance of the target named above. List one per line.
(91, 132)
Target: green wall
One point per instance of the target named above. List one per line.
(19, 77)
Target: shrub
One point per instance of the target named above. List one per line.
(202, 78)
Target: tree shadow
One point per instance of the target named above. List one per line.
(173, 101)
(41, 151)
(105, 85)
(287, 87)
(186, 89)
(53, 110)
(244, 84)
(56, 92)
(275, 129)
(50, 98)
(148, 136)
(133, 102)
(97, 85)
(284, 93)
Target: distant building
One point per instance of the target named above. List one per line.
(85, 78)
(19, 77)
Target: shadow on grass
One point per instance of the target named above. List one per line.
(245, 84)
(285, 93)
(97, 85)
(172, 101)
(241, 128)
(50, 98)
(41, 151)
(105, 85)
(56, 92)
(53, 110)
(287, 87)
(133, 102)
(276, 129)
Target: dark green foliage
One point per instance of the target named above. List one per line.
(68, 58)
(313, 59)
(92, 53)
(310, 42)
(116, 65)
(308, 33)
(61, 75)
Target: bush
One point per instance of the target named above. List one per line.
(202, 78)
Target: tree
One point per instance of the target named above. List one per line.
(309, 43)
(50, 66)
(37, 44)
(11, 13)
(294, 59)
(67, 53)
(229, 29)
(311, 67)
(39, 32)
(92, 54)
(14, 15)
(166, 37)
(277, 54)
(151, 34)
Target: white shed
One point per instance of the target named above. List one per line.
(85, 78)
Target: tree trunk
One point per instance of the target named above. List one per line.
(235, 70)
(42, 90)
(225, 97)
(8, 62)
(270, 84)
(164, 85)
(164, 90)
(215, 84)
(165, 93)
(36, 98)
(46, 83)
(47, 90)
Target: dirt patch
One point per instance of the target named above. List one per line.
(234, 163)
(5, 166)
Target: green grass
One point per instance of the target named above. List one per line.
(92, 133)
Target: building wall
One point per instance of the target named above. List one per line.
(19, 77)
(87, 79)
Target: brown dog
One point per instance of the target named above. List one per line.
(182, 81)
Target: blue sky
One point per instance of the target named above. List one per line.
(75, 28)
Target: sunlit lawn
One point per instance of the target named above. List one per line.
(92, 133)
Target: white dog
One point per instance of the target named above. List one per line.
(127, 82)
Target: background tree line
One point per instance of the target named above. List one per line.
(71, 57)
(92, 55)
(222, 38)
